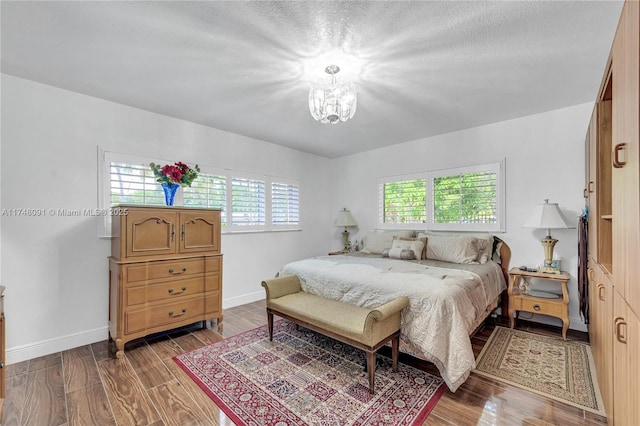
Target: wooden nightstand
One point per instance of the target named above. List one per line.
(558, 307)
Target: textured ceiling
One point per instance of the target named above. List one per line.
(421, 68)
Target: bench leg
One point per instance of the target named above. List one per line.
(270, 325)
(395, 344)
(371, 369)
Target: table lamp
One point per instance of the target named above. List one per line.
(547, 216)
(345, 219)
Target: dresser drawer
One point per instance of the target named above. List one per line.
(162, 269)
(538, 306)
(166, 314)
(175, 312)
(164, 291)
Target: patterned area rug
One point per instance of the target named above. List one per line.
(557, 369)
(305, 378)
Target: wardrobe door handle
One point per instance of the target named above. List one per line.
(616, 162)
(584, 193)
(590, 186)
(620, 336)
(601, 292)
(173, 232)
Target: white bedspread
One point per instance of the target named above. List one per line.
(443, 303)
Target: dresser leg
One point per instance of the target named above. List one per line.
(120, 346)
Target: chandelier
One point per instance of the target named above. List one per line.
(332, 102)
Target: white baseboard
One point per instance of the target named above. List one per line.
(242, 300)
(47, 347)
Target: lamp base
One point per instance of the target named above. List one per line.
(345, 239)
(549, 270)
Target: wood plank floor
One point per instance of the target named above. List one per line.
(87, 386)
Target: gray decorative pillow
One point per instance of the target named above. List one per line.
(402, 253)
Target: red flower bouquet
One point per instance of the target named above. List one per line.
(178, 173)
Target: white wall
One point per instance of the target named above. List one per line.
(544, 159)
(55, 268)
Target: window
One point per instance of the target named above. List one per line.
(403, 201)
(209, 191)
(463, 199)
(133, 184)
(285, 204)
(247, 202)
(256, 202)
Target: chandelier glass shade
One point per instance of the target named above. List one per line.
(333, 101)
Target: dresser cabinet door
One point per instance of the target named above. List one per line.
(199, 231)
(151, 232)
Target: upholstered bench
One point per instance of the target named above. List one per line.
(366, 329)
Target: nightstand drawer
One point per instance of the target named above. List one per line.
(540, 306)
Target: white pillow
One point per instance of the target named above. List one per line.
(455, 249)
(376, 241)
(424, 240)
(416, 246)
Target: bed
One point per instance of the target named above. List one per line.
(447, 300)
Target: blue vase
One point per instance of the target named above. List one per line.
(170, 190)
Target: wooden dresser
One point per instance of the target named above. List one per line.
(165, 271)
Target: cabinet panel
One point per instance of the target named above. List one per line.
(150, 232)
(591, 182)
(625, 155)
(626, 374)
(601, 330)
(200, 231)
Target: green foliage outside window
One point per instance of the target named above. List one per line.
(405, 201)
(465, 198)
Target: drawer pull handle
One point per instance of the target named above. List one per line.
(536, 307)
(182, 271)
(1, 364)
(174, 315)
(173, 292)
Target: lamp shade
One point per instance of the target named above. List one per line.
(546, 216)
(345, 219)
